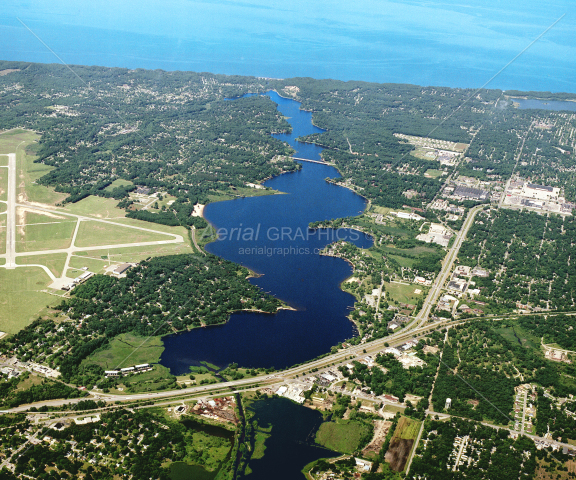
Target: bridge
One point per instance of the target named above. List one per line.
(308, 160)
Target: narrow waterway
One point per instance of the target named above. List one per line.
(285, 252)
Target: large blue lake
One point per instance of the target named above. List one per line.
(285, 253)
(449, 43)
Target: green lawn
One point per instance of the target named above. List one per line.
(20, 297)
(91, 234)
(52, 236)
(3, 207)
(343, 435)
(126, 350)
(54, 261)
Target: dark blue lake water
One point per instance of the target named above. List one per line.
(291, 444)
(524, 104)
(271, 237)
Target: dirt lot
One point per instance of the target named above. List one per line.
(381, 428)
(397, 454)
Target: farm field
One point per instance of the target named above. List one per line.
(401, 443)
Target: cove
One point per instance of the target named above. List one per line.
(289, 266)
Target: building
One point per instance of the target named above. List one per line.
(142, 190)
(112, 373)
(448, 403)
(471, 193)
(120, 269)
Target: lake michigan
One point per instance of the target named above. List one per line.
(449, 43)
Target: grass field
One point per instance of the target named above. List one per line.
(512, 334)
(16, 141)
(135, 254)
(433, 173)
(127, 349)
(3, 207)
(38, 217)
(95, 265)
(343, 435)
(407, 428)
(119, 182)
(3, 183)
(2, 233)
(20, 297)
(54, 261)
(403, 293)
(403, 261)
(11, 139)
(393, 409)
(152, 226)
(51, 236)
(3, 160)
(96, 207)
(91, 234)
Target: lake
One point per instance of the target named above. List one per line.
(555, 105)
(285, 254)
(449, 43)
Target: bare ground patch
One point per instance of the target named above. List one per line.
(381, 428)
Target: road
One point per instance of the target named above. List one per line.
(446, 270)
